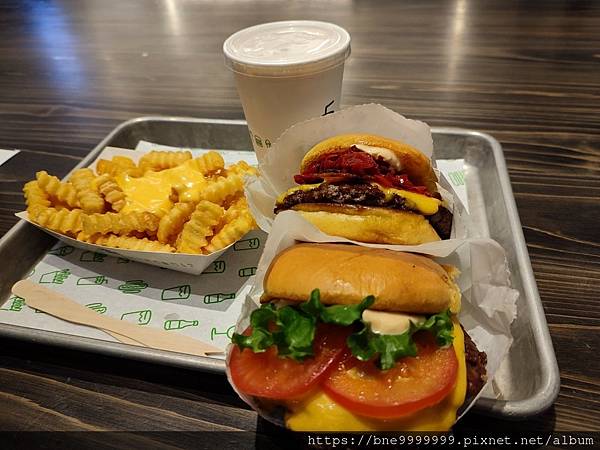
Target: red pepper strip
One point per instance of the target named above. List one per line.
(357, 162)
(354, 165)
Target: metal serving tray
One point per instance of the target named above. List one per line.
(528, 380)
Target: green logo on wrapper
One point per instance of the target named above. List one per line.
(88, 256)
(178, 324)
(457, 178)
(218, 298)
(16, 304)
(228, 332)
(92, 281)
(247, 271)
(62, 251)
(215, 267)
(176, 292)
(55, 277)
(141, 317)
(133, 286)
(98, 307)
(247, 244)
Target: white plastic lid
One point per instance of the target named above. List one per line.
(290, 48)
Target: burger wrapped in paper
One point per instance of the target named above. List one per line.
(351, 338)
(369, 188)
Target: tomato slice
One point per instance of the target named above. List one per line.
(413, 384)
(267, 375)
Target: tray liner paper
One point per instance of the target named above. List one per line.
(488, 301)
(203, 306)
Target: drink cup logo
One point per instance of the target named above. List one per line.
(218, 298)
(141, 317)
(216, 267)
(228, 332)
(92, 281)
(176, 292)
(55, 277)
(247, 272)
(329, 108)
(123, 260)
(247, 244)
(88, 256)
(98, 307)
(16, 304)
(133, 286)
(178, 324)
(62, 251)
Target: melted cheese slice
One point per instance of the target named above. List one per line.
(301, 187)
(417, 202)
(320, 413)
(151, 192)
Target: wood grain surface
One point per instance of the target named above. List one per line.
(526, 72)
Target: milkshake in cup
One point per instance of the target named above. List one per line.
(286, 72)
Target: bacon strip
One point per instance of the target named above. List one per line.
(355, 166)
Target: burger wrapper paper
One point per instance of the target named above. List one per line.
(488, 301)
(280, 163)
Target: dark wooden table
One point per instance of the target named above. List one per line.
(526, 72)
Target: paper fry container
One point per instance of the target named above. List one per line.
(488, 301)
(182, 262)
(279, 164)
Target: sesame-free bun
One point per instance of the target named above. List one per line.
(414, 163)
(369, 224)
(345, 274)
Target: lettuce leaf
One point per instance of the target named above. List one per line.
(344, 315)
(441, 326)
(292, 330)
(388, 348)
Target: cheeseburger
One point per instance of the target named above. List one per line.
(371, 189)
(350, 338)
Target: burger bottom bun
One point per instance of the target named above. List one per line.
(369, 224)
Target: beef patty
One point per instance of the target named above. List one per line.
(476, 371)
(364, 195)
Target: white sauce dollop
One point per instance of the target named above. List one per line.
(385, 153)
(382, 322)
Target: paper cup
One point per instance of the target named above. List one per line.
(286, 72)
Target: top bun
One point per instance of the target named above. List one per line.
(414, 163)
(345, 274)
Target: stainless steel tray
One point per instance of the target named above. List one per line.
(528, 380)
